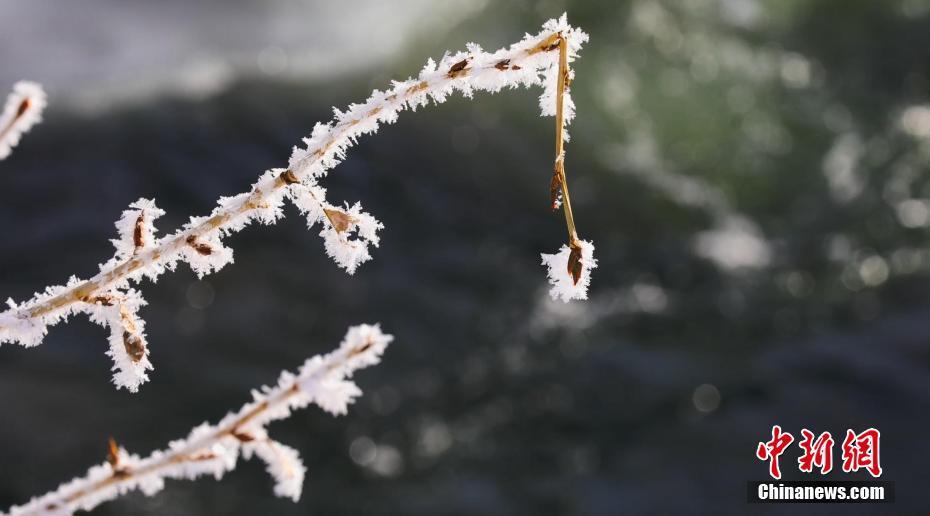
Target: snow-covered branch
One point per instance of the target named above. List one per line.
(348, 232)
(23, 110)
(324, 380)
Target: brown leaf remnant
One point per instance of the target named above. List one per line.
(200, 247)
(574, 262)
(138, 233)
(135, 346)
(112, 452)
(21, 110)
(119, 470)
(103, 300)
(547, 45)
(555, 185)
(339, 219)
(242, 436)
(457, 69)
(201, 456)
(23, 107)
(363, 348)
(416, 88)
(289, 177)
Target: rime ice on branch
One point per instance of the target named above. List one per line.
(23, 110)
(324, 380)
(347, 231)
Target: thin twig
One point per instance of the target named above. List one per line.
(560, 143)
(214, 449)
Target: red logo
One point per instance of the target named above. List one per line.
(860, 451)
(817, 452)
(773, 449)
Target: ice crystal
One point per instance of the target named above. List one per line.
(564, 286)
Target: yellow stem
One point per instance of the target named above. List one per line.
(559, 143)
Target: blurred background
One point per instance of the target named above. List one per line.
(754, 176)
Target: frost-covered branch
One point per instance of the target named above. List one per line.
(23, 110)
(324, 380)
(347, 231)
(569, 270)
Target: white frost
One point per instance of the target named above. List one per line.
(563, 285)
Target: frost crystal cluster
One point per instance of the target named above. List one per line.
(23, 110)
(324, 380)
(348, 232)
(560, 276)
